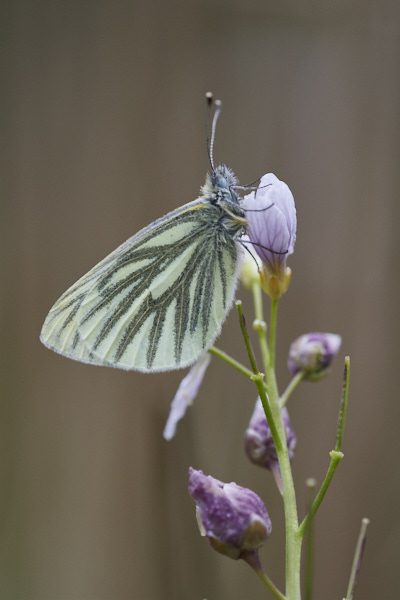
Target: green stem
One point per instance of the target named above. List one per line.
(257, 300)
(259, 381)
(253, 560)
(259, 325)
(245, 335)
(270, 401)
(343, 404)
(293, 540)
(336, 457)
(270, 585)
(230, 361)
(291, 387)
(272, 331)
(309, 555)
(260, 328)
(355, 569)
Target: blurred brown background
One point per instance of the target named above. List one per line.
(102, 132)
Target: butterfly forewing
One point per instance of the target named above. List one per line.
(157, 302)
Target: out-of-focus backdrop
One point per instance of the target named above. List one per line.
(102, 132)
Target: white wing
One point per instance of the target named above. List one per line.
(157, 302)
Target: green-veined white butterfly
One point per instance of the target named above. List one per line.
(159, 300)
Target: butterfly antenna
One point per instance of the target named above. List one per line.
(209, 100)
(210, 143)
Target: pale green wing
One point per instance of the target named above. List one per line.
(156, 302)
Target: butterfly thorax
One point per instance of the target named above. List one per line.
(219, 191)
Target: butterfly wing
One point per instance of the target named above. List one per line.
(155, 303)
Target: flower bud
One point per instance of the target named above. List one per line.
(250, 268)
(313, 353)
(272, 223)
(233, 518)
(259, 445)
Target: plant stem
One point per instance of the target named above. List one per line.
(259, 381)
(291, 387)
(245, 335)
(270, 585)
(272, 331)
(259, 325)
(271, 404)
(355, 569)
(293, 540)
(309, 555)
(336, 457)
(257, 300)
(343, 404)
(252, 559)
(230, 361)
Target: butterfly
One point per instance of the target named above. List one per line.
(159, 300)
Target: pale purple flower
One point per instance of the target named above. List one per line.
(233, 518)
(271, 215)
(186, 393)
(259, 445)
(313, 353)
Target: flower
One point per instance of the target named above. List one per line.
(186, 393)
(312, 353)
(271, 216)
(259, 445)
(233, 518)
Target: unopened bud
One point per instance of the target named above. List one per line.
(271, 217)
(313, 354)
(233, 518)
(259, 445)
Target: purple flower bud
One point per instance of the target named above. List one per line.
(259, 445)
(271, 216)
(313, 353)
(233, 518)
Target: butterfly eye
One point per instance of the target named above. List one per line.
(219, 182)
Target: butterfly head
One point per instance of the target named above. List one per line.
(223, 178)
(220, 183)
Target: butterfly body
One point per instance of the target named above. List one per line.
(158, 301)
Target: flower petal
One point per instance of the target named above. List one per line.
(186, 393)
